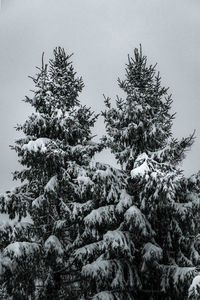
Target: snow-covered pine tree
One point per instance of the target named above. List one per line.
(55, 154)
(105, 249)
(108, 250)
(139, 133)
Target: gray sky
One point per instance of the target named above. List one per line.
(100, 33)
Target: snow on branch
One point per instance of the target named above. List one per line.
(53, 244)
(182, 274)
(5, 263)
(79, 209)
(38, 202)
(51, 185)
(102, 269)
(179, 276)
(151, 251)
(104, 214)
(88, 251)
(19, 249)
(183, 209)
(106, 270)
(125, 201)
(118, 240)
(194, 289)
(105, 295)
(137, 221)
(97, 269)
(104, 171)
(37, 145)
(142, 169)
(14, 253)
(83, 179)
(194, 200)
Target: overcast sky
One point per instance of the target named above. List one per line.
(100, 33)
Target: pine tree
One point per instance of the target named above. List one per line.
(98, 232)
(55, 154)
(139, 133)
(108, 249)
(113, 233)
(104, 250)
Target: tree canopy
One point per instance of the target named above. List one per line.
(95, 231)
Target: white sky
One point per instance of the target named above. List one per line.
(100, 33)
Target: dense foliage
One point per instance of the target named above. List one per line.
(97, 232)
(139, 134)
(55, 154)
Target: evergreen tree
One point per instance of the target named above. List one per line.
(55, 153)
(98, 232)
(109, 248)
(140, 136)
(105, 250)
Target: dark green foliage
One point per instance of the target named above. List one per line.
(139, 134)
(55, 151)
(97, 232)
